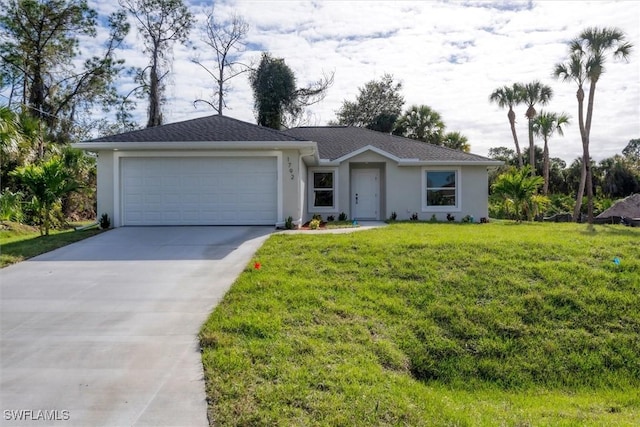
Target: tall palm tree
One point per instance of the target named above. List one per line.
(544, 126)
(422, 123)
(534, 93)
(587, 56)
(509, 97)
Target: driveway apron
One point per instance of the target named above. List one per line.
(103, 332)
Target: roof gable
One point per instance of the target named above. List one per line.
(210, 128)
(338, 143)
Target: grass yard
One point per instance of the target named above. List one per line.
(19, 242)
(432, 324)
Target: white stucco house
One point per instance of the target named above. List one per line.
(221, 171)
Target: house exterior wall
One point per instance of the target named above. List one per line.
(288, 164)
(407, 198)
(105, 184)
(291, 186)
(402, 189)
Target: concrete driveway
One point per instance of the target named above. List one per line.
(103, 332)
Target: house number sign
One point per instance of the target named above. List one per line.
(290, 168)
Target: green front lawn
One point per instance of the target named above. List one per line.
(19, 242)
(432, 324)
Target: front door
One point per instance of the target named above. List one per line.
(365, 193)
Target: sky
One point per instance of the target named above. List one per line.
(449, 55)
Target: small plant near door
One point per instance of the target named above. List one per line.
(331, 218)
(414, 216)
(394, 216)
(342, 216)
(288, 224)
(105, 221)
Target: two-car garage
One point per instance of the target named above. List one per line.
(198, 190)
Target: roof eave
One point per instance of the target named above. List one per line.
(416, 162)
(194, 145)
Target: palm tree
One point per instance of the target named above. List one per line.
(587, 56)
(457, 141)
(509, 97)
(518, 190)
(47, 182)
(534, 93)
(421, 123)
(544, 126)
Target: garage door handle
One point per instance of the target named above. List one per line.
(356, 198)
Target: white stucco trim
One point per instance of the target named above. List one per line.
(310, 147)
(310, 187)
(452, 163)
(458, 206)
(117, 171)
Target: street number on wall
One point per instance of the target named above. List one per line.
(290, 168)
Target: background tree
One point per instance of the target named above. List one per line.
(421, 123)
(618, 177)
(531, 94)
(226, 40)
(161, 23)
(277, 102)
(40, 53)
(587, 57)
(456, 141)
(510, 96)
(632, 150)
(377, 105)
(544, 126)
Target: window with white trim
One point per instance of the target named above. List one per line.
(441, 189)
(323, 190)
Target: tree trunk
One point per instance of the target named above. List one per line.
(155, 116)
(220, 88)
(532, 151)
(545, 169)
(580, 194)
(512, 121)
(583, 136)
(585, 142)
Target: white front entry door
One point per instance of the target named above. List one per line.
(365, 193)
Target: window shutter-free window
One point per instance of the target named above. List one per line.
(441, 189)
(323, 189)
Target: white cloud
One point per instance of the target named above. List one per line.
(449, 55)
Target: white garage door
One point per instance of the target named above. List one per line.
(199, 191)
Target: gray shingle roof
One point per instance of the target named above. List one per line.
(337, 141)
(211, 128)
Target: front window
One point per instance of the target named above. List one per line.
(323, 189)
(441, 189)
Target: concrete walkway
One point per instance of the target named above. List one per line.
(103, 332)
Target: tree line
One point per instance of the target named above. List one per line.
(584, 66)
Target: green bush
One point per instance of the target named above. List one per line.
(11, 206)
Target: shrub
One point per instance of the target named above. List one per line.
(314, 224)
(317, 216)
(414, 216)
(11, 206)
(342, 216)
(288, 224)
(393, 216)
(105, 222)
(331, 218)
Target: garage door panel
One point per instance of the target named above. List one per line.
(199, 191)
